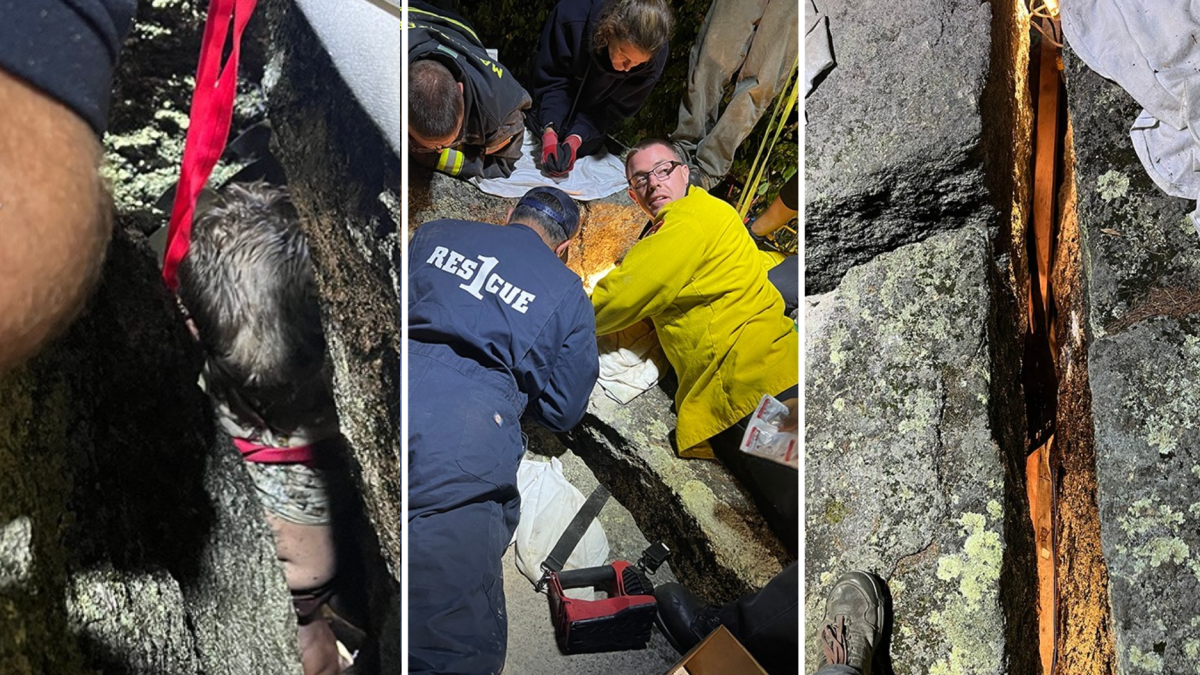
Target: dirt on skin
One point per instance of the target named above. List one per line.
(1085, 638)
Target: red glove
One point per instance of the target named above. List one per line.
(562, 160)
(573, 142)
(549, 148)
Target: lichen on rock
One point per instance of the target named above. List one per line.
(918, 478)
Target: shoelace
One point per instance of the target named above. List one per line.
(833, 642)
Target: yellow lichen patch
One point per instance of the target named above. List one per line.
(1145, 661)
(977, 569)
(1191, 649)
(1113, 185)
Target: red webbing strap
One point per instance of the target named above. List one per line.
(267, 454)
(208, 128)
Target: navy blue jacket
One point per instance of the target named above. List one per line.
(568, 67)
(68, 49)
(497, 295)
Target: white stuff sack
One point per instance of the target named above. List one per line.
(548, 503)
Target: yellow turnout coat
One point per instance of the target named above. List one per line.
(702, 282)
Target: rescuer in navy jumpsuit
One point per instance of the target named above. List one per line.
(499, 327)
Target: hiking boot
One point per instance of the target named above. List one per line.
(852, 628)
(686, 619)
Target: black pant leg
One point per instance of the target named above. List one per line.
(785, 277)
(767, 623)
(774, 487)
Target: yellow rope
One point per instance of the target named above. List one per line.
(759, 167)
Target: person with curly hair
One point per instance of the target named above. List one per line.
(598, 61)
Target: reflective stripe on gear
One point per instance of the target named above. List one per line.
(450, 161)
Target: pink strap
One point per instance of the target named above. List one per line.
(208, 129)
(266, 454)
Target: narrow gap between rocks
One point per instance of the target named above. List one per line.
(1084, 641)
(1072, 605)
(1041, 345)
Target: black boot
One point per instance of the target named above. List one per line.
(685, 618)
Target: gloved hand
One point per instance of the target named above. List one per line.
(563, 159)
(567, 151)
(549, 149)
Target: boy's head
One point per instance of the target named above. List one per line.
(247, 283)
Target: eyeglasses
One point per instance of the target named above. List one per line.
(662, 172)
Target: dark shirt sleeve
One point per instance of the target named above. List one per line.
(564, 400)
(553, 89)
(66, 48)
(479, 165)
(468, 161)
(501, 162)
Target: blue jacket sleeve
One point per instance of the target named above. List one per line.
(564, 400)
(561, 51)
(67, 49)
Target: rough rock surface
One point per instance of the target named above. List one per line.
(1142, 283)
(915, 455)
(152, 94)
(130, 538)
(722, 547)
(894, 145)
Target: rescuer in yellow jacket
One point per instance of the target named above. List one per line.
(700, 279)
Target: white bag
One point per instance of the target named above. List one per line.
(548, 503)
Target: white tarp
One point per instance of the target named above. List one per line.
(594, 176)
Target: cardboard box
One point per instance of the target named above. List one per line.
(718, 654)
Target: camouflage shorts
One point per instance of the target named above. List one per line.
(294, 492)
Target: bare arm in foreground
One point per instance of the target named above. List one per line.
(55, 218)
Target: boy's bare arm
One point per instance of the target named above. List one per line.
(55, 219)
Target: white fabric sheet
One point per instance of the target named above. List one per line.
(630, 362)
(594, 176)
(1150, 49)
(818, 46)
